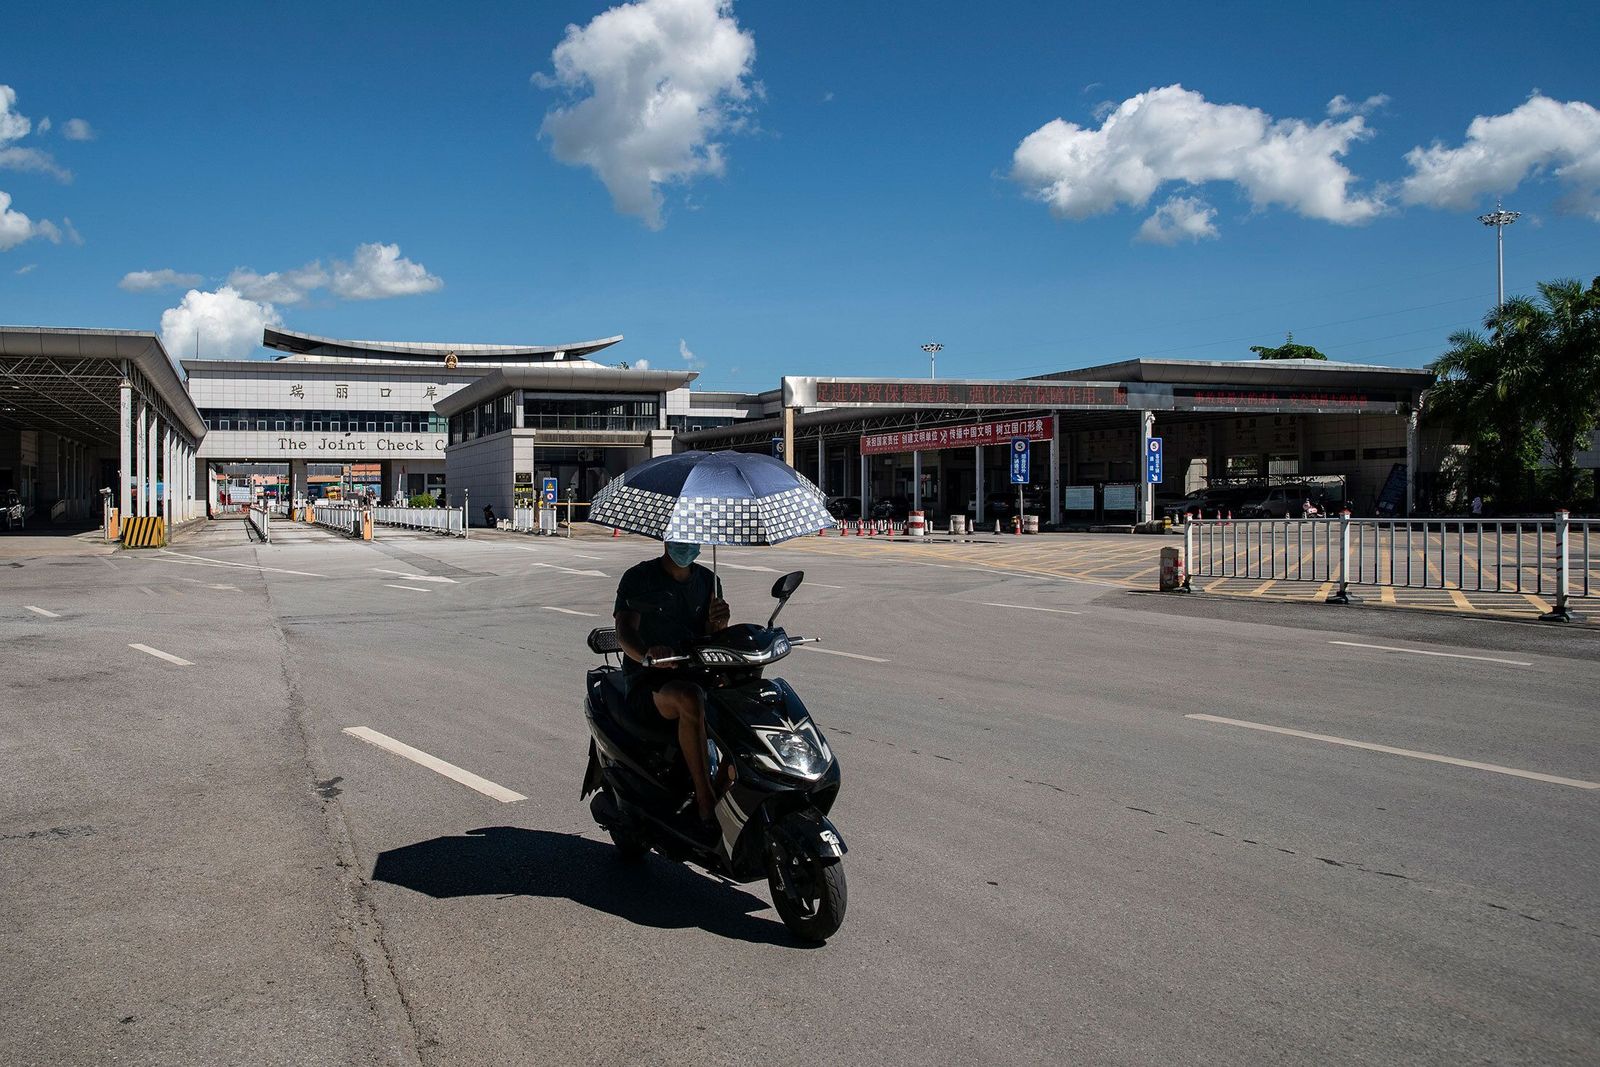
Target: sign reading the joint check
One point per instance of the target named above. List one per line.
(935, 438)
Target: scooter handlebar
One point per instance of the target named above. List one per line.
(653, 661)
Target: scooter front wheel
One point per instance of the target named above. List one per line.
(630, 849)
(809, 894)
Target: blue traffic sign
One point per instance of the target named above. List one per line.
(1019, 460)
(1152, 461)
(547, 489)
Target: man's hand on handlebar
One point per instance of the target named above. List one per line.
(718, 615)
(658, 652)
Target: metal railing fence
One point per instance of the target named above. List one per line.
(451, 521)
(1558, 557)
(346, 518)
(259, 516)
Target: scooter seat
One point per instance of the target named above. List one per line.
(649, 734)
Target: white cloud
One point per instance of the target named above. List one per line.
(379, 271)
(1175, 135)
(26, 268)
(1342, 105)
(1180, 218)
(1501, 151)
(78, 130)
(145, 281)
(641, 364)
(44, 125)
(13, 127)
(229, 325)
(15, 227)
(287, 287)
(694, 361)
(665, 79)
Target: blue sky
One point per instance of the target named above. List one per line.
(868, 197)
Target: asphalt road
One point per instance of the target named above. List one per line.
(1051, 859)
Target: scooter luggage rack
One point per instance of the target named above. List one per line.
(603, 641)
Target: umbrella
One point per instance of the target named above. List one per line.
(712, 498)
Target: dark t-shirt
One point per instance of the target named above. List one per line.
(670, 612)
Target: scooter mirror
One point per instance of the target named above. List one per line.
(784, 587)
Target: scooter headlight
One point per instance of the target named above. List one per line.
(795, 752)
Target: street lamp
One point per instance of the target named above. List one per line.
(933, 348)
(1500, 218)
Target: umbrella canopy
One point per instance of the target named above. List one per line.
(712, 498)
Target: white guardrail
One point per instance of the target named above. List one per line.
(346, 518)
(451, 521)
(259, 516)
(1552, 558)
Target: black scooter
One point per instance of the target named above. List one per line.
(772, 819)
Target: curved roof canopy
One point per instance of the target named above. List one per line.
(575, 376)
(309, 344)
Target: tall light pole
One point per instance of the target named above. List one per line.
(1500, 218)
(933, 348)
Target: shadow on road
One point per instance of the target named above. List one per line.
(512, 861)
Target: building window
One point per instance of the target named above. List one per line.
(316, 425)
(299, 425)
(261, 424)
(372, 427)
(334, 426)
(388, 427)
(405, 427)
(224, 424)
(278, 424)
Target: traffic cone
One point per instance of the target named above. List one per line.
(997, 526)
(615, 533)
(891, 529)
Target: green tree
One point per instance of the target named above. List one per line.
(1565, 326)
(1487, 389)
(1287, 350)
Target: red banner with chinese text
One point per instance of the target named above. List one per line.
(936, 438)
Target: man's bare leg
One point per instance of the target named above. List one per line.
(684, 703)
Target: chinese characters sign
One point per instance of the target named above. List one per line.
(935, 438)
(977, 394)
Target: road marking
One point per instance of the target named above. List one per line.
(147, 591)
(1261, 589)
(585, 555)
(166, 556)
(1576, 783)
(42, 611)
(224, 588)
(1386, 594)
(569, 570)
(1460, 599)
(1426, 652)
(569, 611)
(825, 585)
(1540, 603)
(417, 577)
(434, 763)
(1030, 607)
(407, 588)
(847, 655)
(158, 654)
(747, 567)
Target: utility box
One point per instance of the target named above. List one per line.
(1174, 576)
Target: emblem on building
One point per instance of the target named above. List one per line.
(450, 360)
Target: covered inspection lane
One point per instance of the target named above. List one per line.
(83, 411)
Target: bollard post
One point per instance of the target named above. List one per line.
(1342, 594)
(1561, 613)
(466, 516)
(1188, 553)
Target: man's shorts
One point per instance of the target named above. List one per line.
(641, 703)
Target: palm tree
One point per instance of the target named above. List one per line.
(1568, 326)
(1486, 389)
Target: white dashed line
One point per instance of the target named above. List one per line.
(418, 577)
(1577, 783)
(42, 611)
(407, 588)
(1426, 652)
(569, 570)
(1030, 607)
(434, 763)
(569, 611)
(168, 556)
(747, 567)
(848, 655)
(158, 654)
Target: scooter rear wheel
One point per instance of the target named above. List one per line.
(630, 849)
(810, 896)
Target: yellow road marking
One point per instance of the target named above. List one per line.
(1263, 587)
(1543, 605)
(1386, 594)
(1461, 600)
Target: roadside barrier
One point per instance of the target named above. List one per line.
(1552, 558)
(144, 531)
(259, 516)
(449, 521)
(346, 518)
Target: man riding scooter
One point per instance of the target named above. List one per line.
(662, 604)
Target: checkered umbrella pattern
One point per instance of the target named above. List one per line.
(712, 498)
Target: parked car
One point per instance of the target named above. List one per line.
(1187, 505)
(844, 508)
(891, 507)
(1272, 502)
(12, 516)
(1003, 505)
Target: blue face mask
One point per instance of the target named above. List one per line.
(682, 554)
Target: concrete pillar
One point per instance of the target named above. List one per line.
(822, 462)
(125, 450)
(788, 436)
(1147, 495)
(916, 481)
(1411, 458)
(1055, 469)
(977, 484)
(861, 486)
(168, 476)
(141, 457)
(152, 448)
